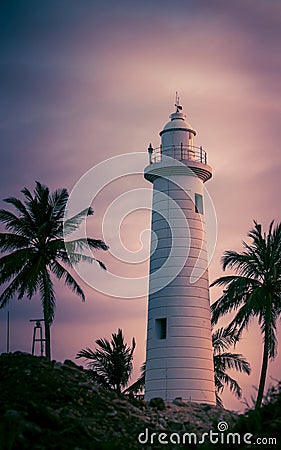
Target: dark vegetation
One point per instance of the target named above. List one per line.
(266, 422)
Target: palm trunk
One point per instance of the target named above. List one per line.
(47, 301)
(263, 368)
(48, 339)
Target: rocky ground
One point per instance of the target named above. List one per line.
(55, 406)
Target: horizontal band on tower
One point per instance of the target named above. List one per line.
(167, 170)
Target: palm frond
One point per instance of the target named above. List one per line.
(73, 223)
(61, 273)
(139, 384)
(231, 384)
(241, 320)
(270, 322)
(86, 353)
(112, 360)
(219, 400)
(85, 244)
(12, 263)
(19, 206)
(58, 200)
(82, 244)
(97, 244)
(16, 224)
(14, 287)
(98, 378)
(26, 192)
(47, 296)
(11, 241)
(235, 361)
(223, 338)
(72, 259)
(237, 290)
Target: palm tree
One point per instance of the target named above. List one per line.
(112, 363)
(255, 291)
(33, 249)
(222, 340)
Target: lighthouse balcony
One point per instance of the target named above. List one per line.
(167, 161)
(178, 152)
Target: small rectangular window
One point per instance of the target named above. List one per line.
(199, 203)
(161, 328)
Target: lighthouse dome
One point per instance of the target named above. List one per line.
(178, 122)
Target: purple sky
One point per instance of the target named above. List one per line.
(81, 82)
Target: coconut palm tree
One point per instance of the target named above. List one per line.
(111, 364)
(255, 291)
(34, 250)
(222, 340)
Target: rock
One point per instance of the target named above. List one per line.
(10, 428)
(71, 365)
(90, 386)
(158, 403)
(50, 417)
(111, 413)
(56, 364)
(80, 401)
(31, 429)
(179, 402)
(206, 408)
(162, 422)
(58, 404)
(175, 425)
(18, 353)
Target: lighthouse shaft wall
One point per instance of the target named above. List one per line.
(179, 360)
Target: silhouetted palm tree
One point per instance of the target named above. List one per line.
(255, 291)
(111, 364)
(222, 340)
(33, 249)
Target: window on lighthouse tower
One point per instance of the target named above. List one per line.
(198, 203)
(161, 328)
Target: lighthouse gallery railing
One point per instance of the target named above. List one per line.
(179, 152)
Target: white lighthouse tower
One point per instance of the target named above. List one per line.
(179, 355)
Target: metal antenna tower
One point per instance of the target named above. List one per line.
(39, 339)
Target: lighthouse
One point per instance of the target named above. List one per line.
(179, 354)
